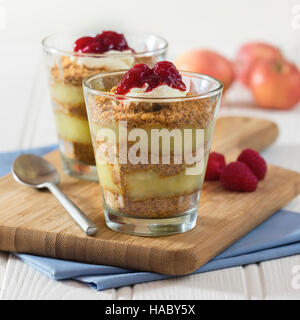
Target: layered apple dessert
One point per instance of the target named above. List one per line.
(152, 131)
(104, 52)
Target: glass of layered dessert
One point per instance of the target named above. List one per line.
(151, 130)
(70, 59)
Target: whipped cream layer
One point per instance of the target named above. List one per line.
(162, 91)
(110, 62)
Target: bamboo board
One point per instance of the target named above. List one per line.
(33, 222)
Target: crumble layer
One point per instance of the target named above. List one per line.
(78, 151)
(196, 113)
(112, 136)
(152, 208)
(78, 111)
(73, 73)
(162, 169)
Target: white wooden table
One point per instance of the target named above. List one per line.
(26, 121)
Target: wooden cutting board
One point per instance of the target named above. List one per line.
(33, 221)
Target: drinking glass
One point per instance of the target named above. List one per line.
(151, 153)
(66, 70)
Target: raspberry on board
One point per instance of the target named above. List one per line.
(215, 164)
(237, 176)
(254, 161)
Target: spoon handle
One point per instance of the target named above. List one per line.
(82, 220)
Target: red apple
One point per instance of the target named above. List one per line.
(207, 62)
(249, 54)
(275, 84)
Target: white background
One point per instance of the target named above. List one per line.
(218, 24)
(222, 25)
(26, 118)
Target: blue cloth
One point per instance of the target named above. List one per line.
(7, 158)
(279, 236)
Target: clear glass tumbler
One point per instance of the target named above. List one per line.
(151, 153)
(66, 70)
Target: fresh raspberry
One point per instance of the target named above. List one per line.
(237, 176)
(254, 161)
(215, 164)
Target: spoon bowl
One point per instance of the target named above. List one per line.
(36, 172)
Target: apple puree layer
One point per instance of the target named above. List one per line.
(66, 93)
(72, 128)
(146, 184)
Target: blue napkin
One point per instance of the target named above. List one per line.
(7, 158)
(279, 236)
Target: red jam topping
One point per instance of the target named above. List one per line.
(163, 73)
(101, 43)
